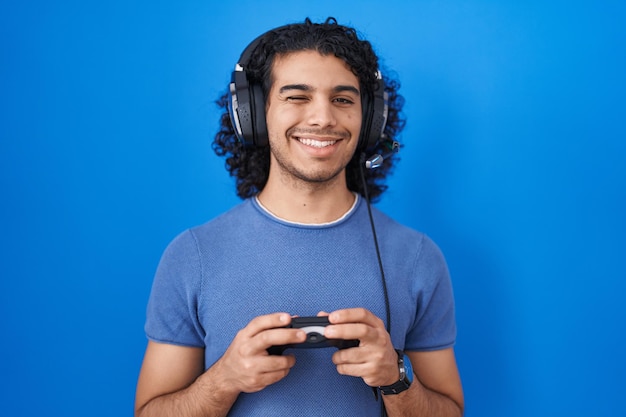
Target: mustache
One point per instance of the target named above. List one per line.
(335, 134)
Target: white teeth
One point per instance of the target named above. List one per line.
(317, 143)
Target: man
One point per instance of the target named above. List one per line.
(306, 102)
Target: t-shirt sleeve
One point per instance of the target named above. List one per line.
(434, 326)
(171, 315)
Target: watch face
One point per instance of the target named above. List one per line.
(408, 369)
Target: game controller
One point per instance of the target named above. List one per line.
(314, 328)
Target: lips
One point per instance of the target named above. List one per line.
(316, 143)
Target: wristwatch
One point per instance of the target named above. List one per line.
(406, 376)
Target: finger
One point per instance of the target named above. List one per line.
(368, 373)
(261, 364)
(273, 337)
(355, 315)
(350, 331)
(374, 367)
(265, 322)
(275, 363)
(353, 369)
(267, 371)
(348, 356)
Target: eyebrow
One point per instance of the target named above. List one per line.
(306, 87)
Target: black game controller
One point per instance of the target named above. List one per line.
(314, 328)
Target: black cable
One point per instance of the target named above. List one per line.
(380, 261)
(383, 411)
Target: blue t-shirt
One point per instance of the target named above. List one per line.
(214, 278)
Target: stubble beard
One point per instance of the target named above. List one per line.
(294, 176)
(300, 177)
(297, 177)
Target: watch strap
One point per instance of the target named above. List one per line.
(403, 383)
(396, 388)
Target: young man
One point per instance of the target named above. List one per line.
(306, 103)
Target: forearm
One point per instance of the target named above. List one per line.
(204, 397)
(420, 401)
(173, 382)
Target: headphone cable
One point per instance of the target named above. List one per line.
(378, 256)
(380, 265)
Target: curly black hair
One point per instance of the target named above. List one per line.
(250, 165)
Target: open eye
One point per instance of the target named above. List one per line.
(343, 101)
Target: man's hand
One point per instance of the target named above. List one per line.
(375, 359)
(246, 366)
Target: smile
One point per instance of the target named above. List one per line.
(316, 143)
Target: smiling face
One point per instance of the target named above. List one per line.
(313, 118)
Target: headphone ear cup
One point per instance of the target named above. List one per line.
(258, 116)
(375, 110)
(379, 116)
(240, 110)
(247, 110)
(381, 111)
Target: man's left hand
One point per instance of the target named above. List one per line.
(375, 359)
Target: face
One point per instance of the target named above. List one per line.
(313, 117)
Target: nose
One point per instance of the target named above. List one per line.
(321, 113)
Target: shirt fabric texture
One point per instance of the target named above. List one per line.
(214, 278)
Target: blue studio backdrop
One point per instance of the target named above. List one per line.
(513, 163)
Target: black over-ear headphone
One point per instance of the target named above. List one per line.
(247, 106)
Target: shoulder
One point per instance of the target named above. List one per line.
(235, 216)
(387, 226)
(187, 243)
(402, 239)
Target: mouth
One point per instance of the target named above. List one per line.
(316, 143)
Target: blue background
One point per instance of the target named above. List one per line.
(514, 164)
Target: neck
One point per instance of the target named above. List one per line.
(307, 203)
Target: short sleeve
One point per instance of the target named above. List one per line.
(171, 315)
(434, 326)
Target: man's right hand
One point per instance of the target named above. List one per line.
(246, 365)
(172, 380)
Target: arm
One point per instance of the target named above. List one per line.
(172, 381)
(435, 391)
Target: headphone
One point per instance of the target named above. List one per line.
(246, 106)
